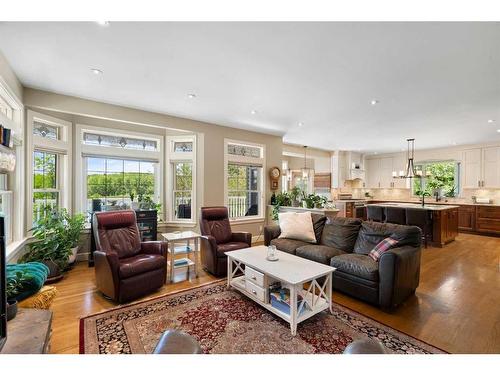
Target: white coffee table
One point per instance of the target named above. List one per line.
(182, 236)
(292, 271)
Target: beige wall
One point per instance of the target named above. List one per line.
(96, 113)
(10, 78)
(318, 159)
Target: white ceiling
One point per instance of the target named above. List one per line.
(437, 82)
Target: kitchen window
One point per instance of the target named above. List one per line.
(443, 178)
(244, 180)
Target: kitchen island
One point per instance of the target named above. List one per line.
(444, 219)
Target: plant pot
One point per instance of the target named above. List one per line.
(72, 257)
(11, 309)
(54, 272)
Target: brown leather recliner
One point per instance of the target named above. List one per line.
(217, 239)
(125, 267)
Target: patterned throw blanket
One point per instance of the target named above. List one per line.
(35, 275)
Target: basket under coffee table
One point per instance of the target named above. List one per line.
(291, 271)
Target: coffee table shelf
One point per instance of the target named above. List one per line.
(292, 272)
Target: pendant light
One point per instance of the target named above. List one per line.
(410, 171)
(306, 172)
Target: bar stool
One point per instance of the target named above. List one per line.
(421, 219)
(395, 215)
(375, 213)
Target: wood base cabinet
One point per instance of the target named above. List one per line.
(445, 226)
(467, 218)
(488, 219)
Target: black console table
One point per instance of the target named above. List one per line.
(147, 221)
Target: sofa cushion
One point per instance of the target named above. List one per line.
(318, 225)
(287, 245)
(318, 253)
(139, 264)
(371, 233)
(230, 246)
(297, 226)
(341, 233)
(356, 264)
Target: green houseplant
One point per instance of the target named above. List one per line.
(75, 225)
(52, 242)
(282, 199)
(13, 287)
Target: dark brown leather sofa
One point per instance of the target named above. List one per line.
(344, 243)
(125, 267)
(217, 239)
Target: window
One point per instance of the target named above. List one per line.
(45, 189)
(181, 179)
(49, 163)
(244, 194)
(119, 182)
(441, 175)
(183, 189)
(244, 180)
(120, 170)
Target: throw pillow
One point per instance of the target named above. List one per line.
(384, 245)
(296, 226)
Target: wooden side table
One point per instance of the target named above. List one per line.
(176, 237)
(29, 332)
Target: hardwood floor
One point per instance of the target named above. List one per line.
(456, 307)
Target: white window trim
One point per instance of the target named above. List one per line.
(177, 157)
(16, 180)
(82, 150)
(229, 158)
(62, 147)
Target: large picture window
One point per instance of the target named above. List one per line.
(119, 182)
(441, 175)
(45, 183)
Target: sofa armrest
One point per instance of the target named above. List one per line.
(242, 237)
(154, 247)
(399, 274)
(270, 233)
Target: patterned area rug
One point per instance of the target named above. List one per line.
(225, 321)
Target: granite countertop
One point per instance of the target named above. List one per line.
(417, 206)
(309, 209)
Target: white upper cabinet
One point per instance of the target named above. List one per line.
(386, 180)
(491, 167)
(472, 168)
(372, 173)
(399, 164)
(481, 168)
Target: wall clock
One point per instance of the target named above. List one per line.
(275, 174)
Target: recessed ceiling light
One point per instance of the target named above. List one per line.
(300, 124)
(498, 130)
(491, 121)
(103, 23)
(375, 153)
(191, 96)
(253, 112)
(96, 71)
(454, 143)
(374, 102)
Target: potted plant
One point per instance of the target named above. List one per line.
(282, 199)
(294, 196)
(75, 224)
(13, 287)
(50, 245)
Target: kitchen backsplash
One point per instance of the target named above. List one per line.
(405, 194)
